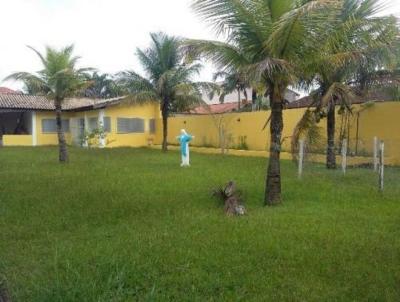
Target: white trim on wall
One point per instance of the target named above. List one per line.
(34, 130)
(102, 141)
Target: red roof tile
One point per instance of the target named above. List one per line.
(5, 90)
(215, 108)
(31, 102)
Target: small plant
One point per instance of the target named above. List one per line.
(97, 137)
(242, 145)
(206, 144)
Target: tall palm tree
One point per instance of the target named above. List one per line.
(168, 81)
(352, 52)
(270, 41)
(60, 78)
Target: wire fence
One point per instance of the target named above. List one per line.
(346, 160)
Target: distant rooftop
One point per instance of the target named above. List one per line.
(5, 90)
(376, 96)
(215, 108)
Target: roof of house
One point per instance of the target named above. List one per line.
(5, 90)
(376, 96)
(215, 108)
(231, 102)
(31, 102)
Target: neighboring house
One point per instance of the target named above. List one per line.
(232, 97)
(230, 103)
(215, 108)
(27, 120)
(5, 90)
(375, 96)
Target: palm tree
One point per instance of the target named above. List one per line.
(270, 41)
(102, 86)
(168, 81)
(59, 79)
(353, 52)
(234, 81)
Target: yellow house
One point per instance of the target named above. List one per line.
(27, 120)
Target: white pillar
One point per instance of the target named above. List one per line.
(301, 157)
(34, 130)
(344, 155)
(102, 140)
(376, 154)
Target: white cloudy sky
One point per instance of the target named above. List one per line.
(105, 32)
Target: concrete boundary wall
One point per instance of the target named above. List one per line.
(246, 129)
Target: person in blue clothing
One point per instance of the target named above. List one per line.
(184, 140)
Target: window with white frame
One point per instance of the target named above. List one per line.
(130, 125)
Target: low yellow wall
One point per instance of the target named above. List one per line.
(378, 120)
(381, 120)
(17, 140)
(246, 126)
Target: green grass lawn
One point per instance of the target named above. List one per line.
(130, 224)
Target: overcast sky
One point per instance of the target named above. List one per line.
(105, 32)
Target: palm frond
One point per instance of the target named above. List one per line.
(223, 55)
(338, 92)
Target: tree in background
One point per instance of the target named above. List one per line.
(168, 81)
(102, 86)
(60, 78)
(270, 41)
(234, 81)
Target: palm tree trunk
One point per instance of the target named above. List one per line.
(273, 182)
(62, 144)
(238, 91)
(164, 112)
(330, 154)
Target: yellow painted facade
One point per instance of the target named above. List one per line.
(44, 139)
(17, 140)
(146, 112)
(113, 139)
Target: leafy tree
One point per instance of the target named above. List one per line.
(60, 78)
(352, 54)
(235, 81)
(168, 81)
(102, 86)
(270, 41)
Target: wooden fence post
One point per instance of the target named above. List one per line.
(344, 155)
(301, 157)
(381, 165)
(376, 154)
